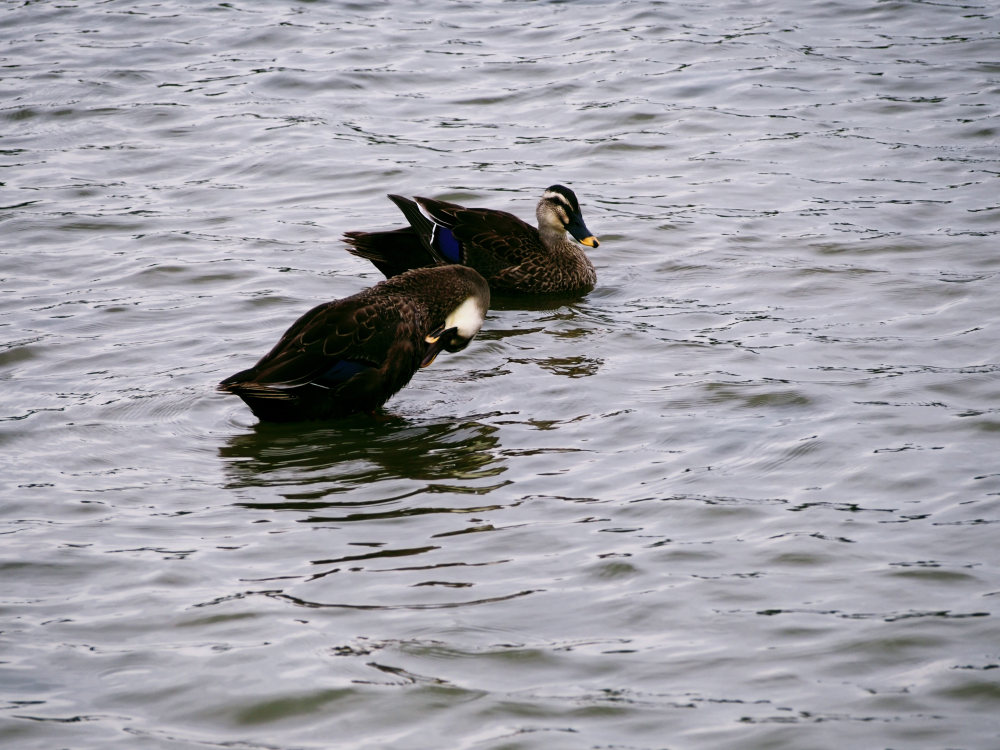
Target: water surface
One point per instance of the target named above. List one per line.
(743, 494)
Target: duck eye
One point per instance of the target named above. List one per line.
(561, 213)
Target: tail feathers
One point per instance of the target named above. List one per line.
(397, 250)
(392, 252)
(374, 245)
(256, 390)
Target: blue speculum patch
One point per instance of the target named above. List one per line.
(342, 370)
(445, 243)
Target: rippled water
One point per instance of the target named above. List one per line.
(743, 494)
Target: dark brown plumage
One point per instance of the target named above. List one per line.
(513, 256)
(353, 354)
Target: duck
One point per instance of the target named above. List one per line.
(351, 355)
(513, 256)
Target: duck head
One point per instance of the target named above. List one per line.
(559, 210)
(460, 326)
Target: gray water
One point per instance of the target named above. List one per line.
(744, 494)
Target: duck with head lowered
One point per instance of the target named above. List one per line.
(351, 355)
(513, 256)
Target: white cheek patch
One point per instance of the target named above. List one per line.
(467, 318)
(559, 210)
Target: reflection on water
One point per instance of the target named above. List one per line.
(300, 602)
(356, 478)
(543, 303)
(742, 494)
(316, 460)
(570, 367)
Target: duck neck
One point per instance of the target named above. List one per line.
(552, 236)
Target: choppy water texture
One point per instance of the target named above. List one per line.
(743, 494)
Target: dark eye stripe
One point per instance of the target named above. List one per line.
(560, 200)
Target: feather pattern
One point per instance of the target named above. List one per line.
(353, 354)
(513, 256)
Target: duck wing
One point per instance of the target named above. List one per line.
(334, 343)
(489, 240)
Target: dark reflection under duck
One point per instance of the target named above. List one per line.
(336, 466)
